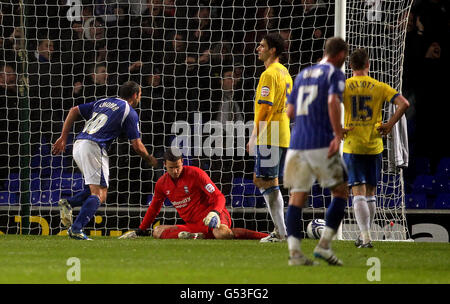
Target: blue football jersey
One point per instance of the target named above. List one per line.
(312, 128)
(106, 119)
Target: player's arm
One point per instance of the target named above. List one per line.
(265, 100)
(154, 208)
(131, 125)
(261, 119)
(290, 111)
(259, 124)
(60, 144)
(215, 198)
(402, 105)
(152, 211)
(334, 112)
(140, 149)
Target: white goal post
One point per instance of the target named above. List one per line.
(197, 65)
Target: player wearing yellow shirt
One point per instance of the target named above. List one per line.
(364, 97)
(271, 133)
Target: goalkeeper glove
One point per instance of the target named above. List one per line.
(212, 220)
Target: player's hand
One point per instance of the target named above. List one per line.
(128, 235)
(153, 161)
(346, 130)
(212, 220)
(384, 129)
(59, 146)
(334, 146)
(133, 234)
(251, 146)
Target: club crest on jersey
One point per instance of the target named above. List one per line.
(265, 91)
(186, 189)
(210, 188)
(167, 192)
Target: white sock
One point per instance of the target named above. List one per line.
(362, 215)
(293, 244)
(327, 235)
(265, 198)
(275, 203)
(372, 204)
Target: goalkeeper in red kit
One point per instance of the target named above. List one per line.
(197, 200)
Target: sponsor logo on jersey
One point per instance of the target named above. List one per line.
(183, 203)
(265, 91)
(210, 188)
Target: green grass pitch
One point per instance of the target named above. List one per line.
(43, 260)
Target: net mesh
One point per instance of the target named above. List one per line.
(197, 65)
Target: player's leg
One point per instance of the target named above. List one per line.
(90, 206)
(362, 213)
(269, 162)
(224, 232)
(371, 200)
(298, 178)
(94, 164)
(333, 219)
(66, 205)
(297, 201)
(358, 167)
(333, 175)
(374, 177)
(247, 234)
(177, 232)
(78, 199)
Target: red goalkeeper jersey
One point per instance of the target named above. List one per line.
(193, 194)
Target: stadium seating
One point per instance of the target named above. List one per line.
(429, 189)
(45, 198)
(443, 168)
(442, 201)
(424, 184)
(422, 166)
(245, 194)
(416, 201)
(8, 198)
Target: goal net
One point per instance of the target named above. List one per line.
(380, 27)
(197, 65)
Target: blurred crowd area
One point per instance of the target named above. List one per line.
(189, 56)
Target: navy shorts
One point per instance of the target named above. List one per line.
(269, 161)
(363, 169)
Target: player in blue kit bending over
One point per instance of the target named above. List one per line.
(106, 119)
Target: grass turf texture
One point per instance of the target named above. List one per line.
(42, 259)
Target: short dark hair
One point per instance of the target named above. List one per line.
(172, 154)
(128, 89)
(274, 40)
(335, 45)
(359, 59)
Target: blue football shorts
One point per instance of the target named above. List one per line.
(363, 169)
(269, 161)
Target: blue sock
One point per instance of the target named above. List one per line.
(86, 213)
(335, 212)
(293, 221)
(78, 199)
